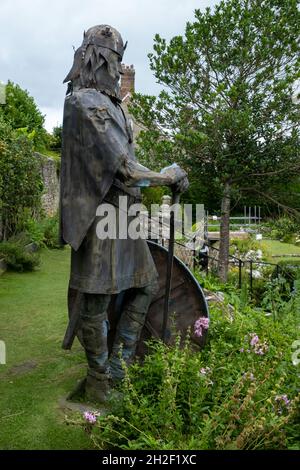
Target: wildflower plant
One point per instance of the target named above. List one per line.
(239, 392)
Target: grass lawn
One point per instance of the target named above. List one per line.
(33, 317)
(275, 247)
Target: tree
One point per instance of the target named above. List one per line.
(56, 141)
(226, 113)
(22, 113)
(20, 180)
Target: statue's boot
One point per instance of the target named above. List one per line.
(94, 328)
(129, 331)
(125, 343)
(97, 386)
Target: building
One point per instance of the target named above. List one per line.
(127, 88)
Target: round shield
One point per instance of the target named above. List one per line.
(187, 305)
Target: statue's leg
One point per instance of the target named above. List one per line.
(94, 328)
(129, 329)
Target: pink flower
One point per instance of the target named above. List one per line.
(201, 324)
(89, 417)
(283, 398)
(242, 350)
(254, 339)
(248, 376)
(204, 370)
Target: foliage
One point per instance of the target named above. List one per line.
(34, 231)
(56, 138)
(240, 392)
(240, 247)
(51, 232)
(152, 196)
(17, 257)
(44, 232)
(289, 270)
(21, 112)
(283, 229)
(277, 291)
(20, 180)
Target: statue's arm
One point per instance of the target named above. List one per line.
(136, 175)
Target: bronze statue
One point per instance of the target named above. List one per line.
(99, 165)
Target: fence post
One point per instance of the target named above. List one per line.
(240, 273)
(251, 278)
(194, 259)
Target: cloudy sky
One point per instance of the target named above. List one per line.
(36, 39)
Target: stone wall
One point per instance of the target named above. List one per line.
(50, 176)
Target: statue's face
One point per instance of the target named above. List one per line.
(109, 74)
(114, 67)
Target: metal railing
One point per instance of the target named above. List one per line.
(242, 264)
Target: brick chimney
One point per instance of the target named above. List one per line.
(127, 80)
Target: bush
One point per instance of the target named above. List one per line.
(44, 232)
(283, 229)
(17, 258)
(35, 231)
(247, 248)
(51, 232)
(240, 392)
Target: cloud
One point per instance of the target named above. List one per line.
(37, 38)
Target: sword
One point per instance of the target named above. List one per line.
(74, 307)
(175, 200)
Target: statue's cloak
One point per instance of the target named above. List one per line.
(95, 136)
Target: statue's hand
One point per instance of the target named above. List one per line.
(181, 186)
(174, 173)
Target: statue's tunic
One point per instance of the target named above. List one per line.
(96, 135)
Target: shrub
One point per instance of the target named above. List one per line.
(17, 258)
(20, 180)
(283, 229)
(35, 231)
(247, 246)
(43, 232)
(51, 232)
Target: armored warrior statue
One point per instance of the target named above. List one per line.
(98, 164)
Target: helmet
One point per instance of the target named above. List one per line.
(104, 36)
(101, 44)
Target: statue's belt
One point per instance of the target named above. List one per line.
(112, 197)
